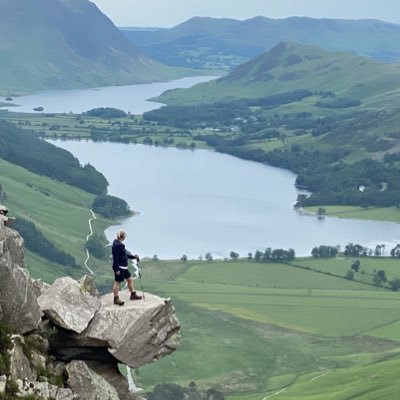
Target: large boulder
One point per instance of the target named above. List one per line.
(18, 303)
(138, 332)
(69, 305)
(135, 334)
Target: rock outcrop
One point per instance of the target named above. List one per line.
(18, 301)
(87, 384)
(73, 338)
(136, 334)
(69, 305)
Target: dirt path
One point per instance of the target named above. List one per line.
(87, 238)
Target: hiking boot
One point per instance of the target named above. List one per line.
(118, 301)
(135, 296)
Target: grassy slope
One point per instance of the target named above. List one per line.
(254, 328)
(343, 73)
(50, 45)
(60, 211)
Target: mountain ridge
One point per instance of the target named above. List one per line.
(205, 41)
(62, 44)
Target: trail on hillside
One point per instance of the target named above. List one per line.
(87, 238)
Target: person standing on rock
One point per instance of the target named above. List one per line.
(120, 267)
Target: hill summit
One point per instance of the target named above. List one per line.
(52, 44)
(291, 66)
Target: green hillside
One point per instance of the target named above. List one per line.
(252, 329)
(292, 66)
(59, 44)
(203, 42)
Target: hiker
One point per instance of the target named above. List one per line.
(3, 215)
(120, 267)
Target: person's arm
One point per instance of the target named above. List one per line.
(132, 256)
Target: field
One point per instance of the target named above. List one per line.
(351, 212)
(131, 128)
(253, 329)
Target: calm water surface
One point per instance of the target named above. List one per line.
(193, 202)
(131, 98)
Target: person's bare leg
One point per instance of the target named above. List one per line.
(117, 300)
(134, 295)
(116, 288)
(131, 287)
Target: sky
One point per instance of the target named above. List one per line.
(168, 13)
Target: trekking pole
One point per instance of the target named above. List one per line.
(139, 275)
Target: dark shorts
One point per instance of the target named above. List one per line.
(124, 274)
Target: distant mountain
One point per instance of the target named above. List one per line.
(225, 43)
(49, 44)
(289, 67)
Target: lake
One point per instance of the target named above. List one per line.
(194, 202)
(131, 98)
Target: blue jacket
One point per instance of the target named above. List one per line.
(120, 255)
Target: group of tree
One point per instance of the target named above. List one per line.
(325, 251)
(276, 255)
(36, 242)
(95, 246)
(106, 112)
(110, 206)
(28, 151)
(173, 391)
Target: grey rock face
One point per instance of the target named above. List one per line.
(138, 332)
(111, 373)
(40, 286)
(3, 383)
(68, 306)
(87, 384)
(20, 367)
(18, 304)
(44, 390)
(88, 285)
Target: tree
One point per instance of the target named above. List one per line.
(395, 252)
(350, 274)
(355, 250)
(267, 254)
(378, 251)
(355, 266)
(234, 256)
(395, 284)
(379, 277)
(95, 246)
(258, 255)
(321, 211)
(324, 251)
(167, 391)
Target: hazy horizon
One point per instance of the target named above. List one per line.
(132, 13)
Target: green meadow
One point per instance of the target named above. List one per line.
(253, 329)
